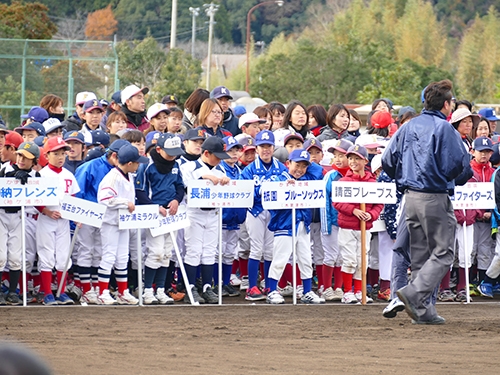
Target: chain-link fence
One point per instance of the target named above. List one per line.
(30, 69)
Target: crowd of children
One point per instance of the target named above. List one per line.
(121, 158)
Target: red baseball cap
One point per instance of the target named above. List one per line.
(54, 144)
(13, 139)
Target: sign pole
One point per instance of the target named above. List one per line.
(466, 258)
(23, 242)
(139, 265)
(294, 255)
(183, 270)
(65, 271)
(363, 256)
(219, 282)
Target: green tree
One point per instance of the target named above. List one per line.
(180, 75)
(10, 94)
(25, 21)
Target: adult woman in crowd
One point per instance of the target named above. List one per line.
(210, 118)
(463, 121)
(192, 108)
(354, 125)
(338, 120)
(53, 104)
(277, 110)
(482, 129)
(382, 104)
(264, 114)
(295, 120)
(317, 118)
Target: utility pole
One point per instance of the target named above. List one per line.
(210, 9)
(195, 12)
(173, 28)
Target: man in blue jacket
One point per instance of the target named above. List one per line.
(425, 156)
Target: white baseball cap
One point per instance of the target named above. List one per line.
(155, 109)
(249, 118)
(368, 141)
(132, 90)
(376, 162)
(84, 96)
(52, 124)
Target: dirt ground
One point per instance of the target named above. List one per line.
(256, 339)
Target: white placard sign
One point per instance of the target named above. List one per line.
(204, 194)
(145, 216)
(474, 195)
(364, 192)
(82, 211)
(38, 191)
(277, 195)
(172, 223)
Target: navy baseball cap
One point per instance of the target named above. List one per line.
(129, 153)
(221, 92)
(39, 141)
(482, 144)
(170, 99)
(117, 97)
(91, 105)
(32, 126)
(74, 136)
(342, 145)
(293, 136)
(264, 137)
(231, 143)
(359, 151)
(489, 114)
(116, 145)
(94, 154)
(216, 146)
(171, 144)
(300, 155)
(495, 157)
(248, 143)
(195, 134)
(313, 142)
(37, 114)
(104, 102)
(100, 138)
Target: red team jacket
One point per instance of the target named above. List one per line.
(346, 218)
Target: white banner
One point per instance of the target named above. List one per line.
(38, 191)
(172, 223)
(474, 195)
(236, 194)
(145, 216)
(277, 195)
(363, 192)
(82, 211)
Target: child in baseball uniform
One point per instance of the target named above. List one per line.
(52, 231)
(160, 182)
(116, 191)
(201, 237)
(281, 224)
(332, 260)
(10, 224)
(349, 218)
(232, 218)
(264, 168)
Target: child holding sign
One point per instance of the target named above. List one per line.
(281, 224)
(349, 217)
(116, 191)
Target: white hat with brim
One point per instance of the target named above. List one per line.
(462, 113)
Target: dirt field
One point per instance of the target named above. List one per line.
(259, 339)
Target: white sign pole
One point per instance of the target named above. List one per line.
(23, 242)
(139, 265)
(65, 271)
(183, 269)
(220, 257)
(466, 255)
(294, 255)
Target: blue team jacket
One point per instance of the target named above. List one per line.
(160, 188)
(89, 175)
(258, 173)
(329, 214)
(232, 217)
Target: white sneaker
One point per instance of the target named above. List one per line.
(312, 298)
(148, 297)
(338, 294)
(126, 298)
(392, 309)
(328, 294)
(287, 291)
(90, 298)
(275, 298)
(244, 283)
(349, 298)
(235, 281)
(163, 298)
(300, 291)
(105, 298)
(359, 296)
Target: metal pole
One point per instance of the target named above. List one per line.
(195, 12)
(23, 77)
(173, 29)
(23, 242)
(139, 265)
(294, 256)
(220, 257)
(211, 9)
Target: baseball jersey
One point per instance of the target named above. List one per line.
(193, 170)
(67, 182)
(115, 191)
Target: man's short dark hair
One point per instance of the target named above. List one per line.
(437, 93)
